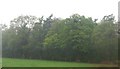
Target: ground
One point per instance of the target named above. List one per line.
(10, 62)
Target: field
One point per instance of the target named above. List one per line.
(9, 62)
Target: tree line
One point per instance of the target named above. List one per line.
(76, 38)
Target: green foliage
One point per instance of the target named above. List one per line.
(106, 40)
(76, 38)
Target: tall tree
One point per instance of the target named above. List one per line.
(105, 39)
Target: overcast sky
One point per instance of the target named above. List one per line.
(10, 9)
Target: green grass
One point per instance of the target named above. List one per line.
(10, 62)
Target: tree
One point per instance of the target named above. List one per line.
(72, 35)
(105, 40)
(18, 34)
(76, 38)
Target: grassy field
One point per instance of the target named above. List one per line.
(9, 62)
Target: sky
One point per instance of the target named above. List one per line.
(10, 9)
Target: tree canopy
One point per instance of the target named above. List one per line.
(77, 38)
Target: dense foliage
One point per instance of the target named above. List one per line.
(76, 38)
